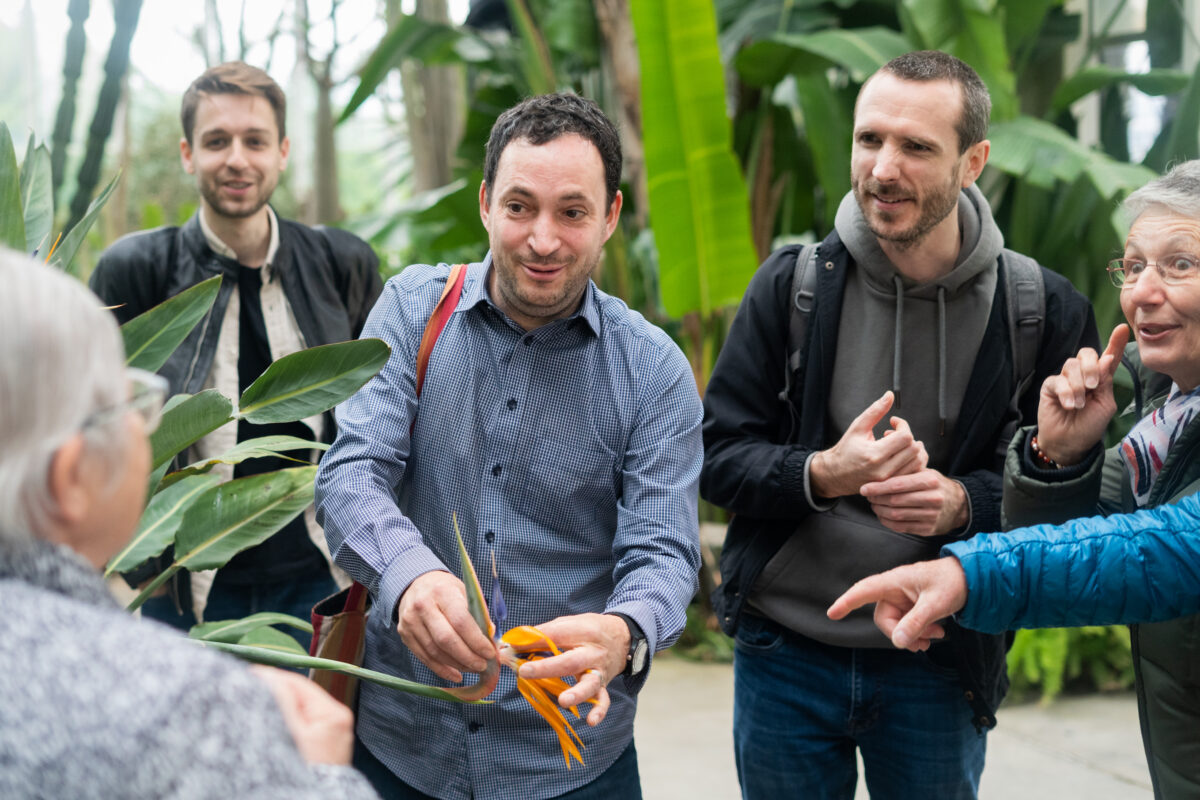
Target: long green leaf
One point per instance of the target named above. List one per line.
(698, 199)
(232, 630)
(1091, 79)
(829, 129)
(1184, 141)
(533, 54)
(411, 37)
(261, 447)
(159, 523)
(186, 421)
(72, 239)
(311, 381)
(152, 336)
(12, 218)
(240, 514)
(37, 197)
(475, 602)
(275, 658)
(860, 51)
(272, 639)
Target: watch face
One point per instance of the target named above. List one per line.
(637, 661)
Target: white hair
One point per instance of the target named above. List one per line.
(61, 360)
(1178, 192)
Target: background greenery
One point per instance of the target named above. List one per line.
(735, 116)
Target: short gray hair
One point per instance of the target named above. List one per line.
(1178, 192)
(61, 360)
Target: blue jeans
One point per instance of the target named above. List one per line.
(621, 780)
(295, 596)
(801, 708)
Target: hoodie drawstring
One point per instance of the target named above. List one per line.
(897, 338)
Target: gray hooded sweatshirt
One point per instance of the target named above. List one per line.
(920, 341)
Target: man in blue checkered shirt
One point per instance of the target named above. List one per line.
(563, 429)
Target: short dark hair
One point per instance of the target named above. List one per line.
(232, 77)
(934, 65)
(546, 117)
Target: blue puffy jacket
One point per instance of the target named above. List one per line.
(1140, 567)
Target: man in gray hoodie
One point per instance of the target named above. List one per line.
(908, 317)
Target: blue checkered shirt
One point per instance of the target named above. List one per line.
(573, 451)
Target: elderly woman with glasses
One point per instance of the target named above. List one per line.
(94, 703)
(1137, 567)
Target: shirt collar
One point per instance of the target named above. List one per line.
(220, 248)
(475, 292)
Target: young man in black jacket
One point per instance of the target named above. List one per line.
(909, 317)
(285, 287)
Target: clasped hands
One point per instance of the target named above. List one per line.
(892, 473)
(436, 625)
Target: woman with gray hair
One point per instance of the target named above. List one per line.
(1141, 567)
(95, 703)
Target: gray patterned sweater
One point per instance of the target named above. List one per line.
(95, 704)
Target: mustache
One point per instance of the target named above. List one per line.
(884, 191)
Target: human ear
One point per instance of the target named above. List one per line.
(185, 156)
(68, 481)
(975, 159)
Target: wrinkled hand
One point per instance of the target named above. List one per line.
(909, 600)
(322, 728)
(925, 503)
(595, 648)
(435, 623)
(859, 457)
(1076, 405)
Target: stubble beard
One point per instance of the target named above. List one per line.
(937, 206)
(211, 193)
(514, 295)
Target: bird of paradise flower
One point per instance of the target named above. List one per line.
(517, 646)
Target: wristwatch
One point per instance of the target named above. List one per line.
(639, 648)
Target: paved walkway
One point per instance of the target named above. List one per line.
(1088, 748)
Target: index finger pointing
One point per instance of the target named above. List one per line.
(1116, 347)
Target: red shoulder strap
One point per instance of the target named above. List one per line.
(438, 319)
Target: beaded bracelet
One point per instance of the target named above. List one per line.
(1042, 459)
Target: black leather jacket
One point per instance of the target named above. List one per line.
(330, 278)
(754, 468)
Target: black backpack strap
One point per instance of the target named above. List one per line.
(1025, 295)
(801, 298)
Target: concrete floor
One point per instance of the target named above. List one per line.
(1079, 747)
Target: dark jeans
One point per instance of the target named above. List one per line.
(619, 782)
(801, 708)
(234, 601)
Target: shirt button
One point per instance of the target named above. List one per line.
(528, 340)
(473, 727)
(490, 536)
(512, 403)
(496, 470)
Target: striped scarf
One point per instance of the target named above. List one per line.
(1146, 446)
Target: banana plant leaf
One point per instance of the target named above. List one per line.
(262, 447)
(275, 658)
(232, 630)
(699, 205)
(186, 419)
(533, 54)
(312, 381)
(829, 129)
(12, 218)
(64, 255)
(151, 337)
(416, 38)
(860, 51)
(37, 197)
(1091, 79)
(240, 514)
(159, 523)
(1042, 154)
(271, 639)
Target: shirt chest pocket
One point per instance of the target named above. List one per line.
(571, 485)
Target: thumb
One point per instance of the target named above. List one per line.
(873, 414)
(912, 626)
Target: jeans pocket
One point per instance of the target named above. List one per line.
(757, 634)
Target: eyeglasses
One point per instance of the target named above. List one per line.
(147, 393)
(1173, 269)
